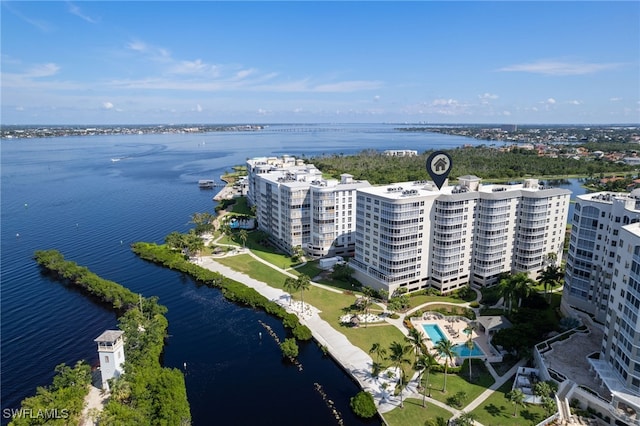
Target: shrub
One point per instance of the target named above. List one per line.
(289, 348)
(363, 405)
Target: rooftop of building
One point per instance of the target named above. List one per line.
(466, 185)
(633, 228)
(608, 196)
(109, 336)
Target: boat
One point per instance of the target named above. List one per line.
(206, 183)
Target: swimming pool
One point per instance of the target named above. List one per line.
(436, 334)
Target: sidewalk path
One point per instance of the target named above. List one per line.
(354, 360)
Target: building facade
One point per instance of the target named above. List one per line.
(296, 206)
(618, 364)
(412, 235)
(591, 259)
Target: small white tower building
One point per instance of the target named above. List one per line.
(111, 354)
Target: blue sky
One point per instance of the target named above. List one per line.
(117, 62)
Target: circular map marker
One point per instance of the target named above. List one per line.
(439, 165)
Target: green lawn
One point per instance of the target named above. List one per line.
(241, 207)
(330, 303)
(255, 269)
(414, 414)
(482, 379)
(423, 298)
(497, 410)
(309, 269)
(268, 253)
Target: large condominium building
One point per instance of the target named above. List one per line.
(603, 280)
(618, 365)
(412, 235)
(591, 260)
(296, 206)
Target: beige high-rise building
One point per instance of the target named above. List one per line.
(296, 206)
(412, 235)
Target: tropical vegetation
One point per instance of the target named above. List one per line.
(60, 403)
(484, 162)
(363, 405)
(147, 393)
(232, 290)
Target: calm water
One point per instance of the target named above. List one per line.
(67, 194)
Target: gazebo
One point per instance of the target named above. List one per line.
(492, 323)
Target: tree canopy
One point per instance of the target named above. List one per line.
(484, 162)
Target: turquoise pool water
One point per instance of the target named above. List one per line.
(436, 334)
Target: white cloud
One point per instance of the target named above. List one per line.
(107, 105)
(560, 68)
(376, 98)
(137, 45)
(615, 99)
(488, 96)
(198, 108)
(152, 52)
(575, 102)
(550, 101)
(43, 26)
(194, 68)
(347, 86)
(75, 10)
(439, 102)
(42, 70)
(506, 113)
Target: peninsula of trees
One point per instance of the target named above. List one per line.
(147, 394)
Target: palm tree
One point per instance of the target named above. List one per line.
(519, 285)
(377, 349)
(193, 242)
(507, 290)
(366, 302)
(424, 363)
(203, 222)
(471, 326)
(290, 286)
(303, 283)
(444, 350)
(516, 397)
(551, 276)
(397, 356)
(243, 235)
(465, 419)
(416, 339)
(175, 240)
(380, 352)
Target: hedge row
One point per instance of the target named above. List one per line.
(53, 261)
(232, 290)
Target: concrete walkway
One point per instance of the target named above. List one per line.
(354, 360)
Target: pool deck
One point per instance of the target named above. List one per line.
(453, 329)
